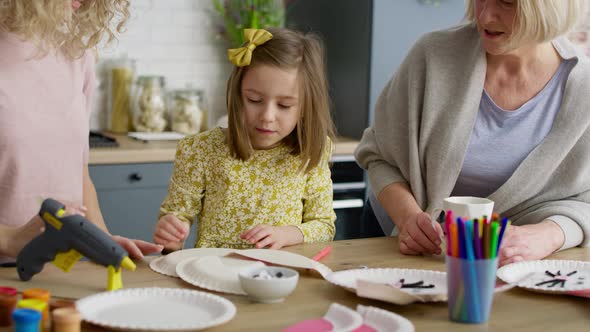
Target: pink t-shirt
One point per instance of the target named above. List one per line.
(44, 124)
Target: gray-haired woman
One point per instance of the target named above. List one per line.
(494, 108)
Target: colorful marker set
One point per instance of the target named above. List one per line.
(472, 260)
(476, 238)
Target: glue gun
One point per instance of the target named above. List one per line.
(66, 239)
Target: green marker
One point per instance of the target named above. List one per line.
(494, 240)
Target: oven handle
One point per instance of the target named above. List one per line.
(348, 203)
(341, 186)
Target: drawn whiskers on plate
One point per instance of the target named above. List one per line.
(419, 284)
(557, 279)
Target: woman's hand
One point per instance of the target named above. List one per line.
(72, 209)
(137, 248)
(274, 236)
(419, 235)
(530, 242)
(18, 237)
(14, 239)
(171, 232)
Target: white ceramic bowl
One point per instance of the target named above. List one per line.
(269, 290)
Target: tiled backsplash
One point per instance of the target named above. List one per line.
(176, 39)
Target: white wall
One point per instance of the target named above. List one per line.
(396, 27)
(176, 39)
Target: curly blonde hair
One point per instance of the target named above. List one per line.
(53, 24)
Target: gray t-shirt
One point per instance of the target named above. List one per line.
(502, 139)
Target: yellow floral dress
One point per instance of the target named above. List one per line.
(230, 196)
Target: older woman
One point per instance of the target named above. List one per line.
(495, 108)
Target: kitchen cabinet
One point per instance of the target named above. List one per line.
(130, 196)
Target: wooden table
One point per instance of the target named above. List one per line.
(515, 310)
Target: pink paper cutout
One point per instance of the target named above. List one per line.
(581, 293)
(312, 325)
(364, 328)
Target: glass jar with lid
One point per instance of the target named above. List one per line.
(149, 107)
(120, 80)
(187, 113)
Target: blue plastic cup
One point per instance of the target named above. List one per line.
(470, 285)
(26, 320)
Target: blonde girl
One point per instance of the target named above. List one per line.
(46, 84)
(264, 181)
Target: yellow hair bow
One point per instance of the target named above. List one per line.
(242, 56)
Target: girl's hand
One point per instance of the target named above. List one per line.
(530, 242)
(171, 232)
(137, 248)
(418, 236)
(274, 236)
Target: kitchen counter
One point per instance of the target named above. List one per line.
(135, 151)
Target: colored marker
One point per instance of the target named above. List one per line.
(449, 217)
(484, 220)
(322, 253)
(469, 240)
(486, 239)
(448, 221)
(494, 240)
(455, 240)
(448, 237)
(505, 224)
(476, 239)
(471, 278)
(461, 238)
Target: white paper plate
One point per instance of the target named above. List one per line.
(348, 278)
(215, 273)
(285, 258)
(537, 275)
(167, 264)
(384, 321)
(343, 318)
(156, 309)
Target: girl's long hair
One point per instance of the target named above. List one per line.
(315, 130)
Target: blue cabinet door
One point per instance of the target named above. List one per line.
(130, 196)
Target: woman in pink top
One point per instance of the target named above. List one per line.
(46, 84)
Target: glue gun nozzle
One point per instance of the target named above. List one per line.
(128, 263)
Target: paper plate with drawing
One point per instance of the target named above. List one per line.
(549, 276)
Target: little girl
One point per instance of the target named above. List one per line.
(264, 181)
(46, 85)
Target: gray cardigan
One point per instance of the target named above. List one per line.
(423, 122)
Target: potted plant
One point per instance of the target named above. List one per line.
(238, 15)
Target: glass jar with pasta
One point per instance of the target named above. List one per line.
(149, 104)
(120, 79)
(186, 111)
